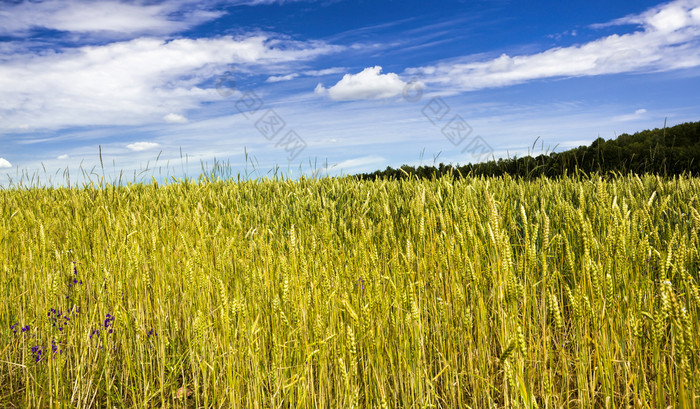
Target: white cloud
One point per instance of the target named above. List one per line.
(114, 18)
(308, 73)
(669, 39)
(142, 146)
(175, 118)
(107, 16)
(669, 19)
(279, 78)
(62, 157)
(326, 71)
(362, 162)
(368, 84)
(665, 17)
(695, 14)
(265, 2)
(130, 82)
(19, 127)
(638, 114)
(4, 164)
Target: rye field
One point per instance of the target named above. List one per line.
(580, 292)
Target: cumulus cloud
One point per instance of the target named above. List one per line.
(62, 157)
(130, 82)
(141, 146)
(5, 164)
(368, 84)
(175, 118)
(668, 39)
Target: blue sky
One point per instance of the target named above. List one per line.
(336, 87)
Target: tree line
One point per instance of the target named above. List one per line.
(666, 152)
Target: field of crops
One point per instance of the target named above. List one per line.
(478, 292)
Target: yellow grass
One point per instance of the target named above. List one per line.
(481, 292)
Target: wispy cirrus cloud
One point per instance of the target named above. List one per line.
(638, 114)
(668, 39)
(359, 163)
(266, 2)
(307, 73)
(279, 78)
(325, 71)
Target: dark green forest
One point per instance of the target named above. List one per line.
(666, 152)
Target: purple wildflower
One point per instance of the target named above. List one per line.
(37, 351)
(73, 280)
(109, 323)
(57, 319)
(55, 347)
